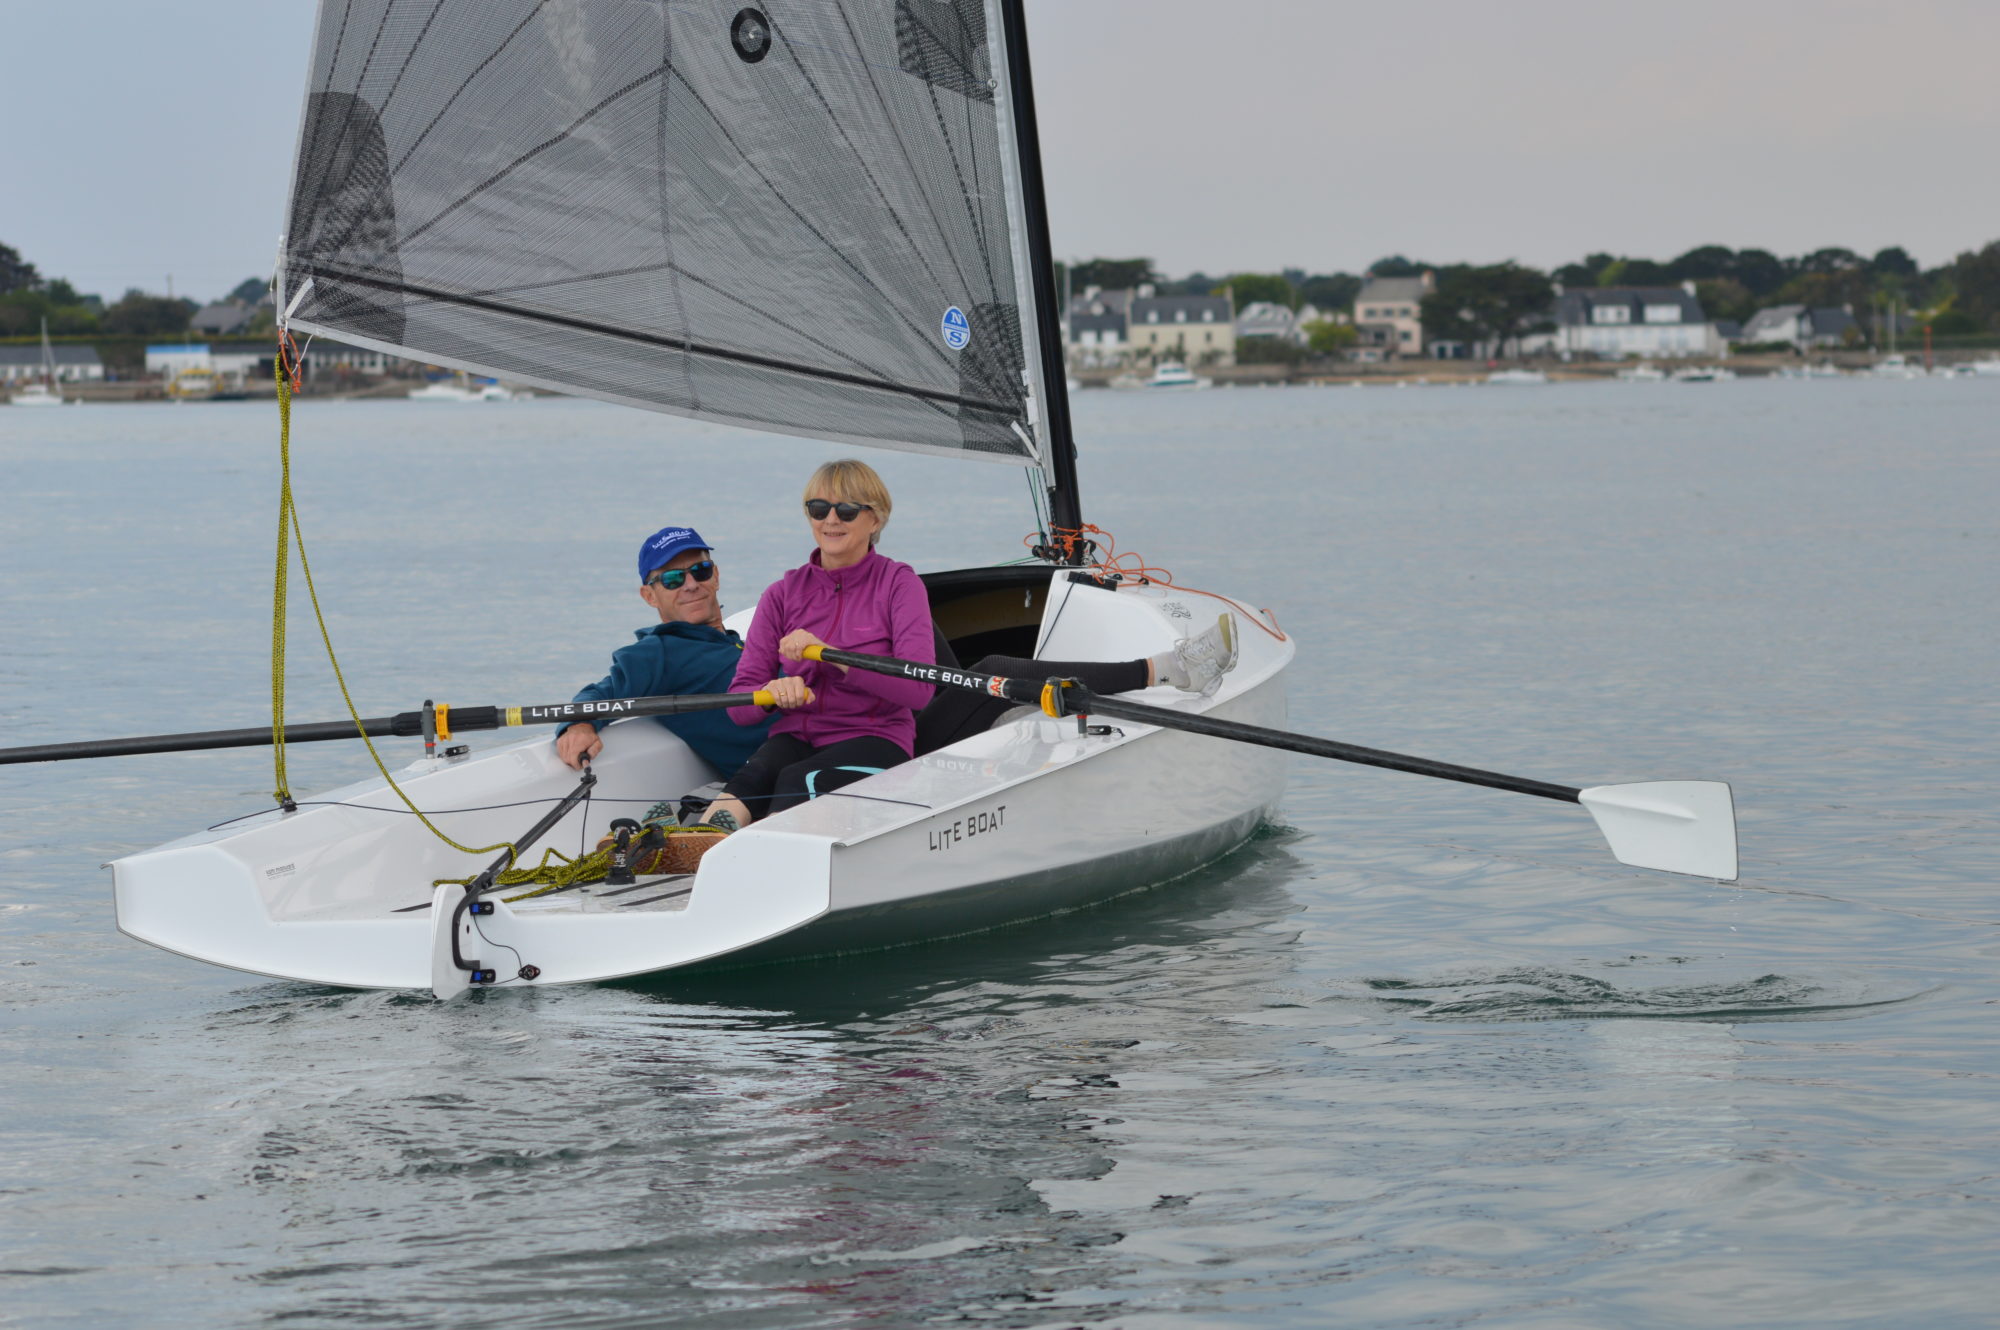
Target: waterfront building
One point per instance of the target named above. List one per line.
(1804, 327)
(74, 364)
(244, 362)
(1388, 313)
(1613, 322)
(221, 319)
(1195, 330)
(168, 359)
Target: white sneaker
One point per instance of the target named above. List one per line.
(1208, 655)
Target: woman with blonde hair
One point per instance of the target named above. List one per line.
(837, 725)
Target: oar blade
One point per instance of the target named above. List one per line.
(1676, 826)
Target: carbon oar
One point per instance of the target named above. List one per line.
(1677, 826)
(444, 721)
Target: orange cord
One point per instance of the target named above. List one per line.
(1103, 557)
(288, 359)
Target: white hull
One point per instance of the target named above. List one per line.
(36, 395)
(1023, 821)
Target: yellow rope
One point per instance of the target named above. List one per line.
(283, 793)
(592, 867)
(587, 868)
(288, 527)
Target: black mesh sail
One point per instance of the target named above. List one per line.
(803, 217)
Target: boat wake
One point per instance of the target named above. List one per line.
(1535, 993)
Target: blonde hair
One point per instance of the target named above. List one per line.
(853, 481)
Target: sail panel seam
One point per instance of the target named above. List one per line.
(670, 343)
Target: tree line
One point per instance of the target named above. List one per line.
(1494, 302)
(27, 298)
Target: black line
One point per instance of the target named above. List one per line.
(896, 129)
(650, 899)
(666, 216)
(666, 343)
(531, 153)
(889, 304)
(640, 886)
(477, 70)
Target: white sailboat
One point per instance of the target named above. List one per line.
(45, 393)
(744, 261)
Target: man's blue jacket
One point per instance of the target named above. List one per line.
(670, 658)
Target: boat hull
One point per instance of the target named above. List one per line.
(1031, 818)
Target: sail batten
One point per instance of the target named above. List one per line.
(802, 222)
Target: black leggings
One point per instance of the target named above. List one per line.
(786, 770)
(953, 714)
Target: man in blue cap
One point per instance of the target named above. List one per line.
(687, 651)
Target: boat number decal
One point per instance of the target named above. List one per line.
(975, 824)
(282, 870)
(955, 329)
(1175, 609)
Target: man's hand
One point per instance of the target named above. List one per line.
(578, 742)
(789, 693)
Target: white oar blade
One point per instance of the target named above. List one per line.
(1676, 826)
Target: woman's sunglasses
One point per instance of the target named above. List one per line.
(671, 578)
(817, 509)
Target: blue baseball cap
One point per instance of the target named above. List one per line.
(665, 543)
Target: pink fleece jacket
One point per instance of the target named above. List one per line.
(876, 606)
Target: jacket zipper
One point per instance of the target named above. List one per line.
(839, 607)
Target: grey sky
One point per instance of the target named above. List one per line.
(149, 139)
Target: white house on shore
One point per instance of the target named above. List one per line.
(1615, 322)
(1802, 326)
(74, 364)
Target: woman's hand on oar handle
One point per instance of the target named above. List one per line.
(792, 646)
(787, 693)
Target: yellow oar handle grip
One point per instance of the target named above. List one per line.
(764, 697)
(1050, 706)
(813, 652)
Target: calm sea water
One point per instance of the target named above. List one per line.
(1420, 1055)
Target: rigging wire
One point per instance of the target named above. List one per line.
(1099, 551)
(290, 533)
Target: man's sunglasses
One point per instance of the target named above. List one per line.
(817, 509)
(671, 578)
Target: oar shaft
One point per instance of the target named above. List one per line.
(181, 743)
(1028, 691)
(1080, 700)
(404, 723)
(1097, 704)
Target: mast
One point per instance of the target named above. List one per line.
(1065, 508)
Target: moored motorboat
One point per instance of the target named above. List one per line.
(1173, 374)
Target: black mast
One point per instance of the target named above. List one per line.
(1065, 510)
